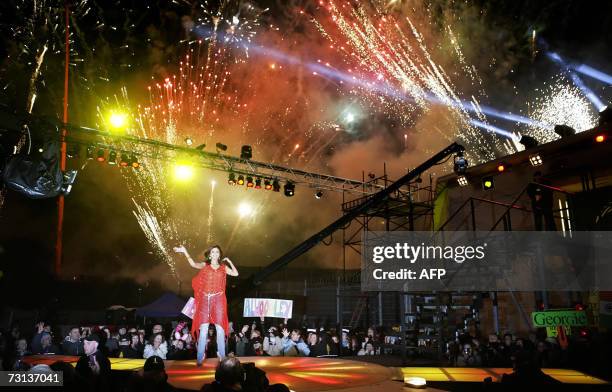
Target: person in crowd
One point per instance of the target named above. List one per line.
(491, 354)
(157, 328)
(44, 344)
(111, 344)
(94, 366)
(15, 333)
(141, 337)
(293, 344)
(257, 346)
(345, 343)
(70, 380)
(154, 377)
(14, 355)
(507, 349)
(469, 356)
(242, 341)
(210, 300)
(229, 376)
(333, 346)
(21, 348)
(542, 355)
(134, 349)
(157, 346)
(368, 349)
(526, 372)
(85, 332)
(72, 344)
(355, 345)
(272, 344)
(178, 351)
(231, 343)
(122, 332)
(314, 344)
(211, 343)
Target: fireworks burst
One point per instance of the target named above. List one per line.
(187, 105)
(232, 24)
(560, 103)
(389, 49)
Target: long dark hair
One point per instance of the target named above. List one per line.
(207, 255)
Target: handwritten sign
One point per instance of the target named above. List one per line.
(268, 307)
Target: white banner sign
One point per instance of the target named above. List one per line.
(189, 308)
(268, 307)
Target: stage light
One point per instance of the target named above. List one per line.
(117, 120)
(221, 147)
(124, 161)
(318, 194)
(245, 209)
(564, 131)
(289, 189)
(231, 179)
(201, 147)
(462, 180)
(100, 155)
(89, 152)
(249, 182)
(258, 183)
(246, 152)
(528, 142)
(460, 164)
(188, 141)
(183, 172)
(501, 167)
(240, 180)
(112, 157)
(415, 382)
(600, 138)
(535, 160)
(267, 185)
(134, 161)
(488, 183)
(276, 186)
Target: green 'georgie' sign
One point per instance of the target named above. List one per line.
(570, 318)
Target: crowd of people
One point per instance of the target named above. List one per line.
(177, 343)
(94, 345)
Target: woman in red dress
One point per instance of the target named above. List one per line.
(209, 295)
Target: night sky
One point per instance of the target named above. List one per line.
(274, 99)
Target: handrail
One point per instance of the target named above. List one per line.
(510, 206)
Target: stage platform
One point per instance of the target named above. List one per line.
(326, 374)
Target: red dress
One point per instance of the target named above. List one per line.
(210, 301)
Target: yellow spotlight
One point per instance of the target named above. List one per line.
(117, 120)
(183, 172)
(244, 210)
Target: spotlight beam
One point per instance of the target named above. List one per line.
(593, 73)
(588, 93)
(494, 129)
(389, 90)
